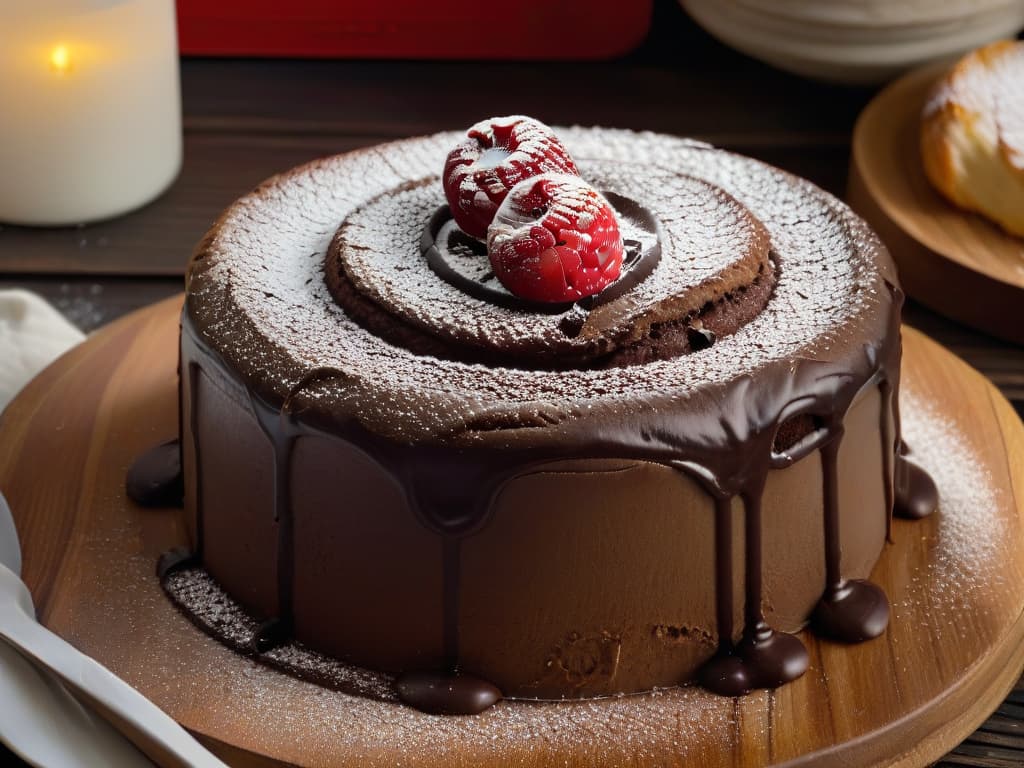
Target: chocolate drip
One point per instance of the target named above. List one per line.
(830, 504)
(271, 633)
(282, 430)
(451, 570)
(753, 611)
(764, 657)
(728, 448)
(193, 393)
(850, 611)
(155, 479)
(914, 494)
(890, 448)
(771, 658)
(724, 609)
(448, 691)
(915, 491)
(446, 694)
(177, 559)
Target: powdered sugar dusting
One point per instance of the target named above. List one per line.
(517, 147)
(210, 607)
(989, 85)
(357, 711)
(258, 295)
(968, 550)
(711, 246)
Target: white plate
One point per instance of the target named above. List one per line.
(876, 14)
(830, 47)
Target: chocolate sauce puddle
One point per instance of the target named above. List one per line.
(638, 262)
(916, 495)
(446, 694)
(155, 479)
(728, 449)
(849, 611)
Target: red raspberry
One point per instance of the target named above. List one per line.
(495, 156)
(554, 239)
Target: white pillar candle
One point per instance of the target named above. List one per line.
(90, 108)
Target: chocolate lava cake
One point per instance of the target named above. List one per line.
(392, 459)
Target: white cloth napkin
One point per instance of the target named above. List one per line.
(32, 335)
(46, 726)
(39, 719)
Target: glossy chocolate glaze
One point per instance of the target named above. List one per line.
(855, 610)
(450, 491)
(726, 441)
(915, 491)
(193, 385)
(446, 693)
(280, 429)
(763, 658)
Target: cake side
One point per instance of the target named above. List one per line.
(590, 577)
(742, 486)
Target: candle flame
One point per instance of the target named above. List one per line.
(60, 59)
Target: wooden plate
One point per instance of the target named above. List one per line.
(956, 262)
(953, 651)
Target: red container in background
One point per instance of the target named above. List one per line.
(409, 29)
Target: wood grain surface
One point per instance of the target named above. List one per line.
(246, 119)
(956, 262)
(952, 653)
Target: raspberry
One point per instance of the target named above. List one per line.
(555, 239)
(496, 155)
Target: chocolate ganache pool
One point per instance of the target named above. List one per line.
(392, 460)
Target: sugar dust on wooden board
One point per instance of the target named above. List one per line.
(359, 707)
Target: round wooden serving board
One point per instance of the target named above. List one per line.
(953, 650)
(956, 262)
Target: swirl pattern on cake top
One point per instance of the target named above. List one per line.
(258, 285)
(714, 251)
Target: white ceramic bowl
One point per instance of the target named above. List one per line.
(856, 41)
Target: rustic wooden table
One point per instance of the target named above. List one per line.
(247, 119)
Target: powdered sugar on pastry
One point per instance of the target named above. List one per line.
(972, 134)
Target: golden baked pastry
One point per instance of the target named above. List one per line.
(972, 134)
